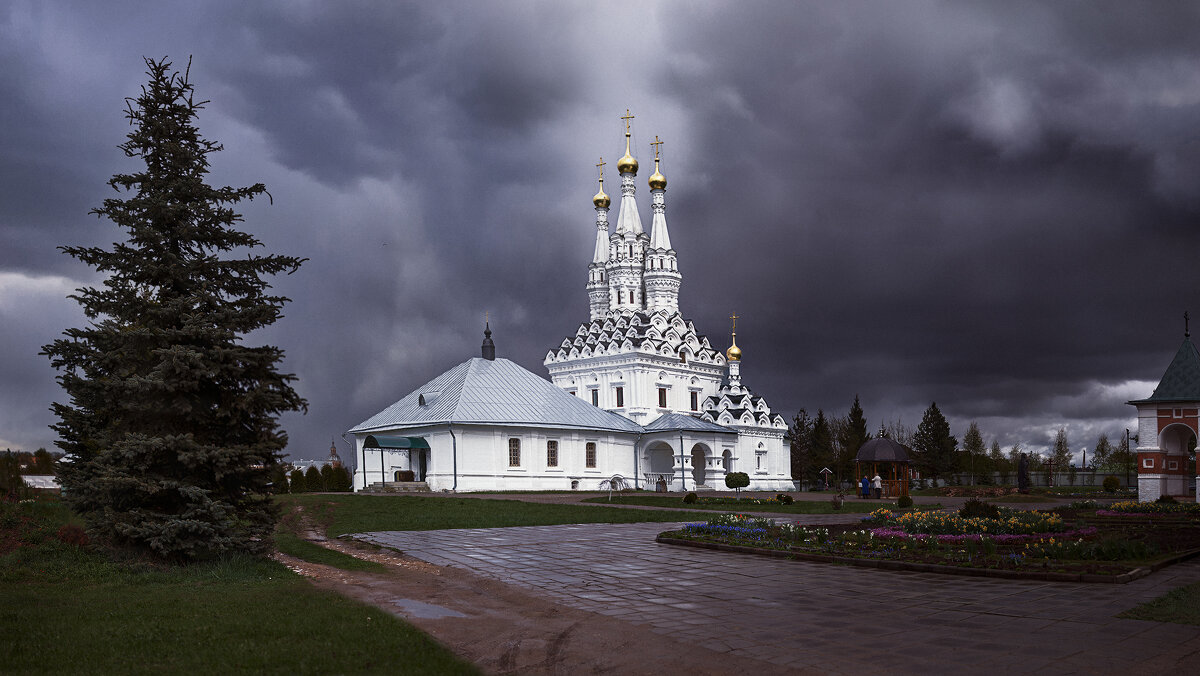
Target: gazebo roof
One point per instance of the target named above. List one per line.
(1181, 382)
(882, 450)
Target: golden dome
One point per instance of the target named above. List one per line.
(601, 199)
(734, 353)
(657, 180)
(627, 164)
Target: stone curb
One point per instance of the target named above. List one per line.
(1123, 578)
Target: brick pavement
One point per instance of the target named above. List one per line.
(833, 618)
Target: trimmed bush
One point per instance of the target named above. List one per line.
(784, 499)
(279, 482)
(1111, 483)
(976, 508)
(327, 479)
(690, 498)
(737, 480)
(299, 485)
(341, 480)
(1166, 500)
(312, 480)
(904, 502)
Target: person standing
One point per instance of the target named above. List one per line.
(866, 487)
(877, 484)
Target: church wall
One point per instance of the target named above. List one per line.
(639, 375)
(483, 458)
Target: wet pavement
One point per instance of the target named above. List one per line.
(835, 619)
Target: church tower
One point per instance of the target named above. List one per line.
(661, 276)
(627, 245)
(597, 287)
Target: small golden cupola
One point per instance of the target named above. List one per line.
(601, 199)
(734, 353)
(657, 180)
(627, 164)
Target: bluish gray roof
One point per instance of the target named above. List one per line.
(482, 391)
(671, 422)
(1181, 382)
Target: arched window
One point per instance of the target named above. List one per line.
(514, 452)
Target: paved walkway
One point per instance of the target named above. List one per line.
(831, 618)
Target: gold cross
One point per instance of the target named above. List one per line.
(734, 317)
(600, 165)
(627, 117)
(657, 146)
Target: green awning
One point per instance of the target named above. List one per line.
(385, 441)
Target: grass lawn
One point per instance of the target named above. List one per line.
(1181, 606)
(293, 545)
(64, 609)
(349, 513)
(851, 505)
(1021, 498)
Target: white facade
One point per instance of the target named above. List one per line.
(636, 392)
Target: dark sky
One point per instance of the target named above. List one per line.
(988, 205)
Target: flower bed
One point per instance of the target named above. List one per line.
(1150, 509)
(1016, 541)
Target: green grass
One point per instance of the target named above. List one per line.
(1020, 498)
(290, 544)
(851, 505)
(65, 609)
(1181, 606)
(340, 514)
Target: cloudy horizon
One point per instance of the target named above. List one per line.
(983, 205)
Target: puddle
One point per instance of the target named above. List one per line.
(424, 611)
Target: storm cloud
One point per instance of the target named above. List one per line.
(990, 205)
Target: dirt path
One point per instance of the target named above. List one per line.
(505, 630)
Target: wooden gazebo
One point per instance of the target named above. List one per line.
(888, 459)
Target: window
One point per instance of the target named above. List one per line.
(590, 455)
(552, 453)
(595, 397)
(514, 452)
(662, 397)
(620, 397)
(1148, 463)
(683, 358)
(695, 401)
(758, 461)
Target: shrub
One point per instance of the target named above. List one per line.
(279, 483)
(341, 480)
(976, 508)
(73, 535)
(737, 480)
(691, 498)
(327, 479)
(784, 499)
(904, 502)
(299, 485)
(1111, 484)
(1166, 500)
(312, 480)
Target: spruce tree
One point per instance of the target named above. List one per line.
(973, 446)
(933, 443)
(800, 440)
(853, 435)
(172, 422)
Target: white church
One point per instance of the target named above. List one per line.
(634, 393)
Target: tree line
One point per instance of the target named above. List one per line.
(830, 441)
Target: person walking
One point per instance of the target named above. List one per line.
(866, 487)
(877, 484)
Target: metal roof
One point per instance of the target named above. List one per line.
(482, 391)
(882, 449)
(1181, 382)
(673, 422)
